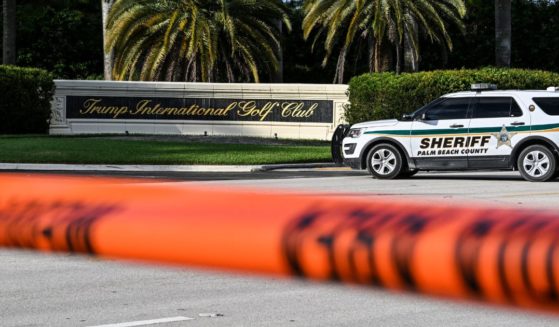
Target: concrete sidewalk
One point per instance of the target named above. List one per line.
(158, 168)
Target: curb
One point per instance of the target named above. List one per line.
(296, 166)
(159, 168)
(126, 168)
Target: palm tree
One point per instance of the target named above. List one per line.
(503, 33)
(195, 40)
(9, 34)
(340, 23)
(108, 56)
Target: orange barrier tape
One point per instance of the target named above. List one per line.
(497, 255)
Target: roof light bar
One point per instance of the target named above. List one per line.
(553, 89)
(483, 87)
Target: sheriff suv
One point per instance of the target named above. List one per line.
(482, 129)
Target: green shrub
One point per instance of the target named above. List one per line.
(25, 102)
(387, 95)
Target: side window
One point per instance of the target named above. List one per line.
(496, 107)
(549, 105)
(454, 108)
(515, 110)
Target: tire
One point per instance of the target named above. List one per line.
(537, 163)
(384, 161)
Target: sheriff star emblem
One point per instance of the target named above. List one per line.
(503, 137)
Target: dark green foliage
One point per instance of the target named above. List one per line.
(387, 95)
(300, 63)
(26, 96)
(61, 36)
(535, 41)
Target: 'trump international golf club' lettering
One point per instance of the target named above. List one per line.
(457, 145)
(144, 107)
(92, 107)
(303, 111)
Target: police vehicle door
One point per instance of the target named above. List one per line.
(438, 134)
(496, 123)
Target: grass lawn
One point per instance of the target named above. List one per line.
(93, 150)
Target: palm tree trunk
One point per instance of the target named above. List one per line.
(278, 75)
(107, 56)
(9, 37)
(398, 58)
(503, 33)
(378, 56)
(411, 60)
(340, 67)
(371, 47)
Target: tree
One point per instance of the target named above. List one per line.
(386, 26)
(61, 36)
(195, 40)
(9, 35)
(503, 33)
(107, 56)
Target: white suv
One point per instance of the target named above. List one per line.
(477, 130)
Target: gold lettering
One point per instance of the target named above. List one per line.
(91, 107)
(249, 109)
(287, 108)
(170, 111)
(120, 111)
(191, 111)
(311, 110)
(296, 110)
(141, 107)
(267, 109)
(230, 107)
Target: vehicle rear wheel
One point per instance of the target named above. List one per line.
(384, 161)
(537, 163)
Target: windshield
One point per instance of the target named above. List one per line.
(420, 110)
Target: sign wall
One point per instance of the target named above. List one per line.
(296, 111)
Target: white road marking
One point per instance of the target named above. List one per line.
(146, 322)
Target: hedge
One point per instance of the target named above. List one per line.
(26, 95)
(387, 95)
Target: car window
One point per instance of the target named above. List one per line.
(515, 110)
(496, 107)
(456, 108)
(421, 110)
(549, 105)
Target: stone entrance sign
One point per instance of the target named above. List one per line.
(296, 111)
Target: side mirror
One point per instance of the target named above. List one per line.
(423, 116)
(407, 117)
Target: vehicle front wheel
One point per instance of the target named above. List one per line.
(384, 161)
(537, 163)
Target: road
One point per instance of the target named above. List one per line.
(63, 290)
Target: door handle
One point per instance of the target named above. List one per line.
(456, 126)
(518, 123)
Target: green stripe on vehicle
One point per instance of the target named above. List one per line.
(476, 130)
